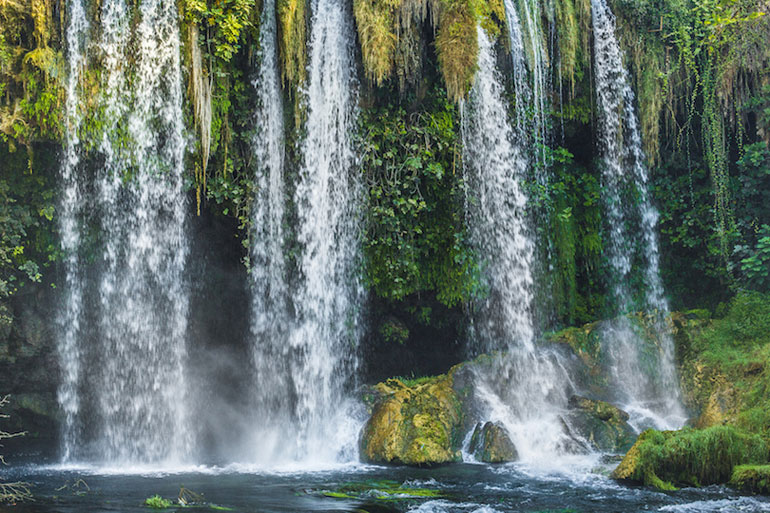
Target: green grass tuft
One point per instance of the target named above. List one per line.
(157, 502)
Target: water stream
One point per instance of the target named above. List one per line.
(270, 315)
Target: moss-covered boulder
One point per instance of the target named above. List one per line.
(690, 456)
(604, 426)
(751, 479)
(420, 424)
(490, 443)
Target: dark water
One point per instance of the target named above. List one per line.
(465, 488)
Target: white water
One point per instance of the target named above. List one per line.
(270, 318)
(523, 388)
(328, 298)
(69, 221)
(137, 405)
(645, 374)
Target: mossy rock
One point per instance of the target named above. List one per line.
(604, 426)
(751, 479)
(490, 443)
(692, 457)
(417, 425)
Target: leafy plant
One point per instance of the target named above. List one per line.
(157, 502)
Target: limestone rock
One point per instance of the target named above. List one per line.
(603, 425)
(414, 425)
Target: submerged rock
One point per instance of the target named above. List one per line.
(604, 426)
(490, 443)
(690, 456)
(420, 424)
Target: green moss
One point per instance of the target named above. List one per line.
(457, 48)
(292, 44)
(690, 456)
(414, 425)
(751, 478)
(726, 363)
(380, 490)
(375, 20)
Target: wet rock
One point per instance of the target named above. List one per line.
(414, 425)
(604, 426)
(490, 443)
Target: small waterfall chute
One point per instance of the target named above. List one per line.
(642, 369)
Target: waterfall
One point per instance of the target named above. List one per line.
(71, 202)
(137, 350)
(646, 375)
(328, 199)
(528, 386)
(270, 315)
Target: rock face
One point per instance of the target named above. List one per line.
(29, 370)
(420, 424)
(490, 443)
(604, 426)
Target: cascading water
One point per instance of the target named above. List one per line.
(69, 219)
(529, 59)
(270, 320)
(138, 351)
(526, 387)
(328, 199)
(645, 374)
(537, 57)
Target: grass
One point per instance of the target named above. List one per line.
(730, 357)
(414, 381)
(751, 478)
(690, 456)
(157, 502)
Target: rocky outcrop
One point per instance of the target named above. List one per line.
(490, 443)
(691, 457)
(751, 479)
(602, 425)
(424, 422)
(421, 424)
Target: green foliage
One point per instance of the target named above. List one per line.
(27, 244)
(414, 237)
(571, 206)
(157, 502)
(756, 267)
(221, 23)
(730, 357)
(694, 457)
(751, 478)
(31, 73)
